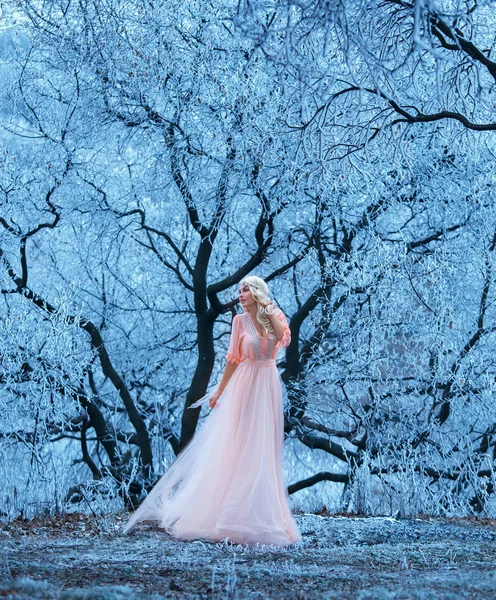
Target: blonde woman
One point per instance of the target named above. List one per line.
(227, 483)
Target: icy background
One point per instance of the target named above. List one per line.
(154, 153)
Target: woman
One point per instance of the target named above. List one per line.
(227, 483)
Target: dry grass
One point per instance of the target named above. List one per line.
(80, 557)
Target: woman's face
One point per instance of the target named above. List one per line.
(245, 297)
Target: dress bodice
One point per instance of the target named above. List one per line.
(246, 343)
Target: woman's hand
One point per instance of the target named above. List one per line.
(269, 308)
(214, 397)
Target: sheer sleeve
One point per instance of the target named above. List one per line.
(233, 354)
(286, 336)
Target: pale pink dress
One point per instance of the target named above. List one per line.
(228, 482)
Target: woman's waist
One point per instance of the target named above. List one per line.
(259, 363)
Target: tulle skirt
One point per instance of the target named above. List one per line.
(228, 483)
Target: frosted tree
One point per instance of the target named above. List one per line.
(374, 89)
(355, 70)
(168, 186)
(154, 156)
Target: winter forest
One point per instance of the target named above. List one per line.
(155, 152)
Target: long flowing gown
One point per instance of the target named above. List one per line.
(228, 483)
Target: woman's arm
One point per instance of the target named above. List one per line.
(280, 325)
(226, 376)
(277, 325)
(233, 357)
(228, 373)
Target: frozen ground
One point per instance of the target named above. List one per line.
(81, 558)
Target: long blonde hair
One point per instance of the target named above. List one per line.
(260, 293)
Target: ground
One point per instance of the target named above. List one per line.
(80, 557)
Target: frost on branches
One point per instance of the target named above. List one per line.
(155, 156)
